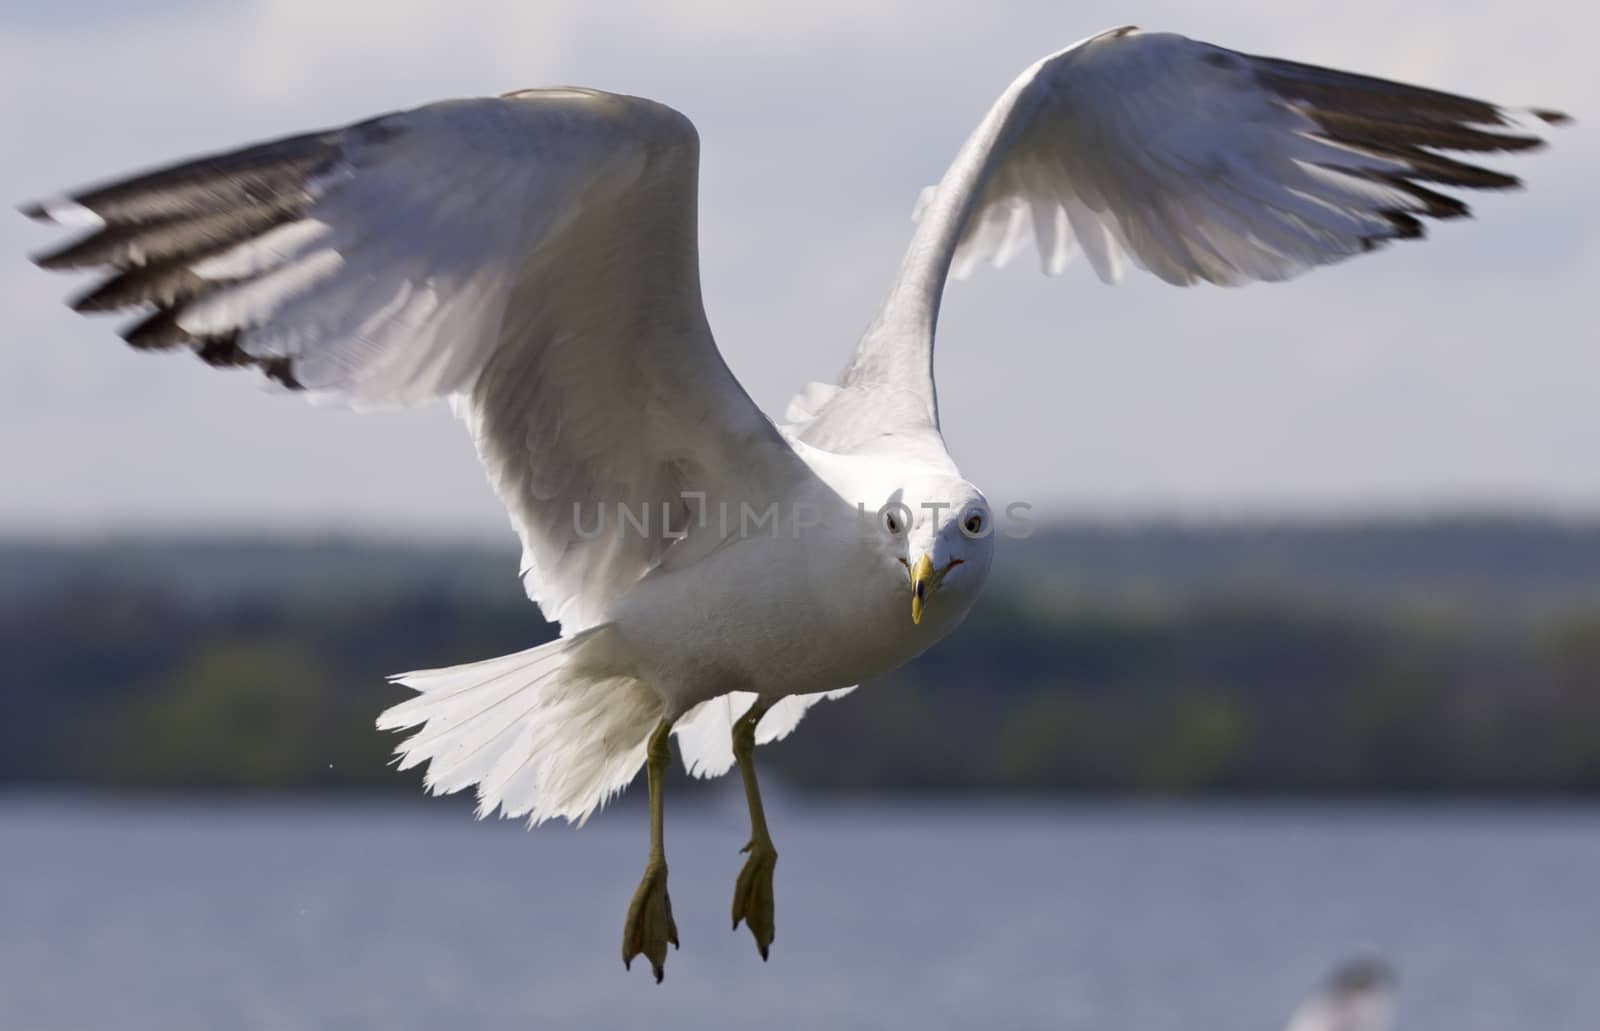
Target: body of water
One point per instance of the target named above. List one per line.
(128, 914)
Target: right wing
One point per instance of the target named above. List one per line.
(1196, 163)
(533, 257)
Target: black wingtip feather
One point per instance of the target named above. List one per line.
(131, 245)
(271, 172)
(1386, 130)
(158, 332)
(161, 332)
(1434, 204)
(223, 352)
(166, 285)
(1328, 89)
(281, 371)
(155, 228)
(1406, 225)
(68, 256)
(41, 259)
(1411, 126)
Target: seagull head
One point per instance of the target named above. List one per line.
(939, 533)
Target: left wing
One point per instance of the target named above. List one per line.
(531, 257)
(1195, 163)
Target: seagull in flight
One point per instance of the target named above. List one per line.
(532, 258)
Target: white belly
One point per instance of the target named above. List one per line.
(776, 617)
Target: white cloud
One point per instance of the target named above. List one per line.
(1458, 369)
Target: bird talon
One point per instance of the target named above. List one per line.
(752, 895)
(649, 927)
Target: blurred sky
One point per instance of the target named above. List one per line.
(1461, 371)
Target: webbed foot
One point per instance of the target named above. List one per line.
(649, 927)
(752, 894)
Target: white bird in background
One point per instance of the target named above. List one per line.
(533, 258)
(1358, 997)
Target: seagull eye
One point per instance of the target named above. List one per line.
(972, 525)
(893, 522)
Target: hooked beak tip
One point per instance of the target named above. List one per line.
(921, 576)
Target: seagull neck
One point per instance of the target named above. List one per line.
(898, 345)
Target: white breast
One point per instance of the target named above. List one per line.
(777, 614)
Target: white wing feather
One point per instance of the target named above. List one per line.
(705, 733)
(1196, 163)
(532, 257)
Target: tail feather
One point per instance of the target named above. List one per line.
(540, 732)
(469, 720)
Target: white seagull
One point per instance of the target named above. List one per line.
(1358, 997)
(532, 258)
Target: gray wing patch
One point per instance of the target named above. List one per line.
(152, 230)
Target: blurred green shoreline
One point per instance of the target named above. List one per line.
(1407, 658)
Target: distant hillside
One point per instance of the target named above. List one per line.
(1494, 564)
(208, 569)
(1468, 561)
(1457, 657)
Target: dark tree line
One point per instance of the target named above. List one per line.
(1457, 657)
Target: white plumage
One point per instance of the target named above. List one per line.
(533, 259)
(1358, 997)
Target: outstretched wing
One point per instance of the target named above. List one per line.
(533, 257)
(1196, 163)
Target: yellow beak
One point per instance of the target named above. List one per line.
(921, 584)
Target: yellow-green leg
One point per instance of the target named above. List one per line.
(752, 894)
(649, 927)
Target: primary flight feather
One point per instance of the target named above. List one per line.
(533, 259)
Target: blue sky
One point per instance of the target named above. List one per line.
(1458, 372)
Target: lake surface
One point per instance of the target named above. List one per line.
(223, 915)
